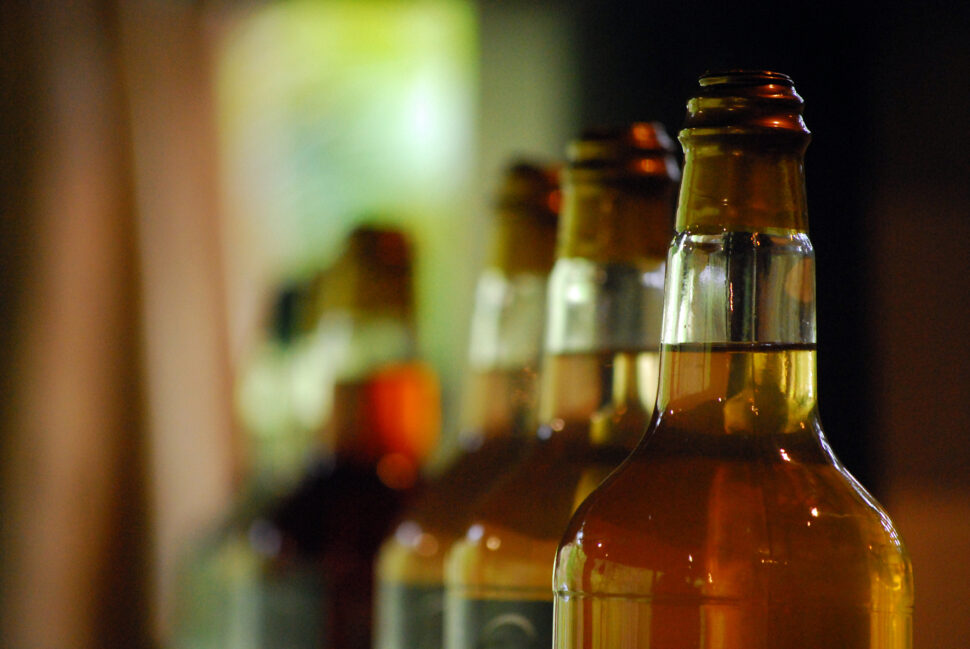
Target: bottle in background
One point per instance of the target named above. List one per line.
(318, 543)
(597, 390)
(733, 524)
(217, 599)
(498, 413)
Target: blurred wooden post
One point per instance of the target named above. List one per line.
(75, 524)
(168, 78)
(116, 442)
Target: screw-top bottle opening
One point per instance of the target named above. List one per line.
(617, 194)
(530, 187)
(744, 142)
(642, 150)
(741, 77)
(746, 102)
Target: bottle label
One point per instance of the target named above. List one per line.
(499, 624)
(409, 617)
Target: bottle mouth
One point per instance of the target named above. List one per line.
(531, 187)
(641, 150)
(741, 77)
(373, 273)
(746, 102)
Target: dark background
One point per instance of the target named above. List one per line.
(885, 87)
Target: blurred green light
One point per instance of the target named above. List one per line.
(334, 109)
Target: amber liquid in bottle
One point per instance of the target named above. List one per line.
(598, 387)
(498, 414)
(732, 525)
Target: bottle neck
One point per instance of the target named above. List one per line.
(623, 220)
(739, 317)
(364, 341)
(738, 183)
(385, 402)
(604, 315)
(504, 354)
(500, 394)
(524, 242)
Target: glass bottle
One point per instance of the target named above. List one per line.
(732, 525)
(597, 389)
(216, 603)
(498, 413)
(319, 541)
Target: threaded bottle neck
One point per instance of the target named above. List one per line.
(744, 142)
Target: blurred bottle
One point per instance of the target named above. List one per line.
(217, 598)
(732, 524)
(498, 412)
(318, 543)
(597, 390)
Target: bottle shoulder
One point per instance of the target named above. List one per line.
(415, 549)
(445, 499)
(521, 519)
(734, 527)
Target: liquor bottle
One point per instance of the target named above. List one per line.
(732, 524)
(597, 387)
(278, 435)
(497, 415)
(216, 599)
(320, 540)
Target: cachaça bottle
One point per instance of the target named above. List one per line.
(597, 387)
(498, 410)
(732, 525)
(319, 542)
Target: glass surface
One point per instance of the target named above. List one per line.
(415, 552)
(507, 324)
(507, 552)
(283, 393)
(605, 305)
(410, 565)
(598, 390)
(740, 286)
(732, 524)
(498, 410)
(317, 543)
(598, 387)
(498, 416)
(320, 541)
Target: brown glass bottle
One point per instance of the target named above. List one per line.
(732, 525)
(597, 389)
(498, 412)
(320, 540)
